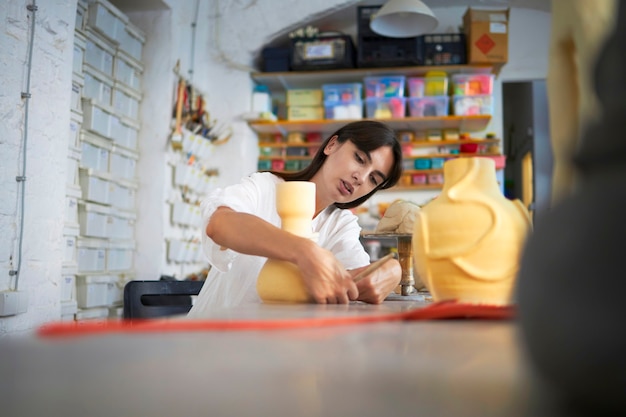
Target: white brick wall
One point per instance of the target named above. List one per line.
(46, 154)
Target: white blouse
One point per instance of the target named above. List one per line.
(232, 278)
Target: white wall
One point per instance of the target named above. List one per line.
(46, 152)
(235, 30)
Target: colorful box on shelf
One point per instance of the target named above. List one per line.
(419, 179)
(342, 93)
(428, 86)
(472, 105)
(305, 113)
(437, 163)
(278, 165)
(304, 97)
(436, 178)
(347, 110)
(472, 84)
(292, 165)
(264, 165)
(385, 108)
(422, 163)
(428, 106)
(385, 86)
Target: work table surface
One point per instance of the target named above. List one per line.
(392, 368)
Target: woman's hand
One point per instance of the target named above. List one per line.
(326, 280)
(375, 287)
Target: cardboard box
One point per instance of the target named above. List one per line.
(305, 113)
(487, 33)
(304, 97)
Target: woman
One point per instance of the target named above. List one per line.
(242, 227)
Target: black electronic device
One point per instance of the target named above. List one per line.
(443, 49)
(381, 51)
(322, 52)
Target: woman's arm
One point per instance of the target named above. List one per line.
(375, 287)
(324, 276)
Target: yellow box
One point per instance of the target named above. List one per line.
(305, 113)
(304, 97)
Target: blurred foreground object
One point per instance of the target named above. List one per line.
(571, 284)
(579, 28)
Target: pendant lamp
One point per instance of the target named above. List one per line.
(403, 19)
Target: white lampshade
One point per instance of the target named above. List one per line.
(403, 19)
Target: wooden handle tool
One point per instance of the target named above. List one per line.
(374, 266)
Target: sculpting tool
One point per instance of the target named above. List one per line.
(374, 266)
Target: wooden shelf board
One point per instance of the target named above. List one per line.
(449, 155)
(423, 187)
(462, 123)
(280, 81)
(284, 145)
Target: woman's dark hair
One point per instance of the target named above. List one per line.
(367, 136)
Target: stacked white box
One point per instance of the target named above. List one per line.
(101, 202)
(107, 20)
(80, 44)
(68, 310)
(70, 237)
(92, 290)
(124, 132)
(122, 224)
(132, 41)
(96, 186)
(96, 313)
(68, 287)
(81, 17)
(77, 93)
(72, 194)
(95, 152)
(123, 163)
(91, 254)
(120, 256)
(73, 158)
(98, 87)
(126, 101)
(94, 220)
(127, 71)
(98, 118)
(123, 194)
(76, 123)
(98, 53)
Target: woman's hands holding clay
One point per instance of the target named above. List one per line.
(325, 278)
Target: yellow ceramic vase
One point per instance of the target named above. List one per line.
(467, 242)
(281, 281)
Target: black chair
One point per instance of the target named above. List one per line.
(150, 299)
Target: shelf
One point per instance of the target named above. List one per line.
(279, 81)
(450, 155)
(422, 171)
(285, 158)
(284, 145)
(462, 123)
(423, 187)
(432, 143)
